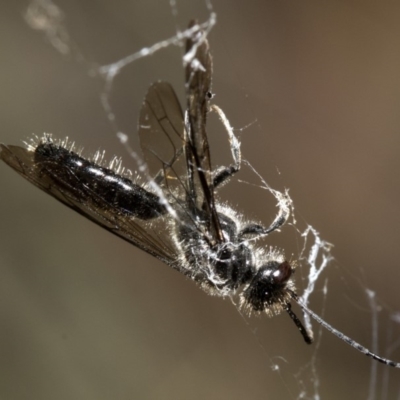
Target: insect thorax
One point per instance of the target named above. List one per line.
(221, 268)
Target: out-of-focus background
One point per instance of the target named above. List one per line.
(86, 316)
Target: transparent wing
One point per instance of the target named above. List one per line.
(198, 94)
(153, 237)
(177, 151)
(162, 136)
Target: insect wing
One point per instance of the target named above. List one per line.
(198, 90)
(152, 237)
(162, 135)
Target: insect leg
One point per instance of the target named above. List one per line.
(225, 173)
(259, 230)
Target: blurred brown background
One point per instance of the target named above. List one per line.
(86, 316)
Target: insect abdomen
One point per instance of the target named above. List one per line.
(77, 175)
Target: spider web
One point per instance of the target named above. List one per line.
(284, 375)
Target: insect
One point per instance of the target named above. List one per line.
(174, 216)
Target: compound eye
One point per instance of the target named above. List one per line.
(282, 273)
(268, 287)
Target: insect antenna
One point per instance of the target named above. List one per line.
(339, 334)
(308, 337)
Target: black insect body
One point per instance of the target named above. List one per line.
(175, 216)
(74, 173)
